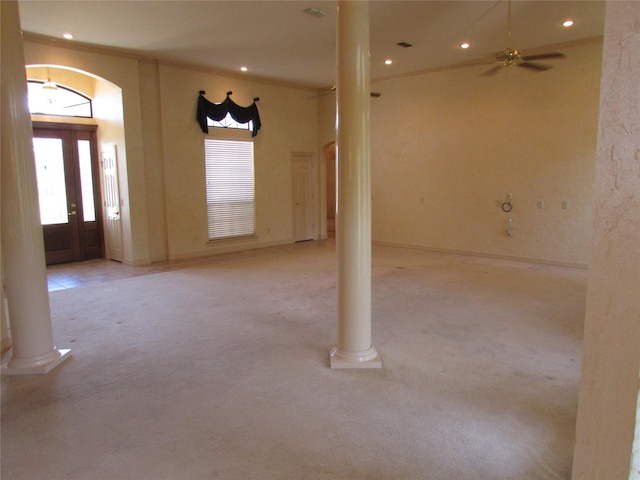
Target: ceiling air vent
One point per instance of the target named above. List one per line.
(315, 12)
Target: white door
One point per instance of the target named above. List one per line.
(303, 196)
(113, 225)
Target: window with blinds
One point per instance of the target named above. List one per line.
(230, 188)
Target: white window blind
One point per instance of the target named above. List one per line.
(230, 188)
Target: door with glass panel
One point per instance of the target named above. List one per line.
(68, 190)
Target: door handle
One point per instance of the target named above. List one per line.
(72, 213)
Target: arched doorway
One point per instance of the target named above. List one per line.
(82, 236)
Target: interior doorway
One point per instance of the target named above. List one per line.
(303, 196)
(68, 177)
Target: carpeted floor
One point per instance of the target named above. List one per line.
(219, 370)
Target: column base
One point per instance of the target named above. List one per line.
(341, 359)
(28, 367)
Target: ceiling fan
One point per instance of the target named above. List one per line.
(510, 57)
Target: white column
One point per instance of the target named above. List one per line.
(611, 350)
(25, 272)
(353, 218)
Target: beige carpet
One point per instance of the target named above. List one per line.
(219, 370)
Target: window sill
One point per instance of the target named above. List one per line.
(232, 240)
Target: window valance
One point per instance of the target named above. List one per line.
(217, 111)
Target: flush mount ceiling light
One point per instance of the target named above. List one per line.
(315, 12)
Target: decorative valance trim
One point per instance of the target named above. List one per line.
(217, 111)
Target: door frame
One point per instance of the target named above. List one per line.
(95, 173)
(311, 158)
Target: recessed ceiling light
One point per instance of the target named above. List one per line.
(465, 45)
(244, 69)
(68, 36)
(567, 23)
(388, 61)
(404, 44)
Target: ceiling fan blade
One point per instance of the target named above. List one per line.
(492, 71)
(534, 66)
(544, 56)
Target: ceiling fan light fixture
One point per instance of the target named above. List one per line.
(510, 56)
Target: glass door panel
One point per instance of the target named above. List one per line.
(52, 190)
(86, 181)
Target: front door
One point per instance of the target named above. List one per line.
(68, 191)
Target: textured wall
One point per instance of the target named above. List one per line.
(126, 117)
(447, 145)
(289, 124)
(611, 360)
(161, 150)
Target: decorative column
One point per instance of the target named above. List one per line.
(353, 216)
(25, 272)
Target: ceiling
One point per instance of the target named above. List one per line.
(276, 40)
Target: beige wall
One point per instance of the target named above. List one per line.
(447, 145)
(289, 124)
(161, 148)
(122, 72)
(153, 160)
